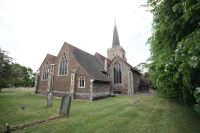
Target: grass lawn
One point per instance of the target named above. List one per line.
(143, 93)
(115, 114)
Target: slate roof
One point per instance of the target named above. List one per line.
(102, 59)
(89, 62)
(115, 38)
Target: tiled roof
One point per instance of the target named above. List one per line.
(89, 62)
(53, 58)
(127, 64)
(102, 59)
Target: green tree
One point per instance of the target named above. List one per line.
(175, 48)
(143, 67)
(9, 73)
(147, 75)
(26, 73)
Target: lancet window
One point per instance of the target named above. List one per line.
(46, 71)
(63, 65)
(117, 73)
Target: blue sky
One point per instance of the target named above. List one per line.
(31, 29)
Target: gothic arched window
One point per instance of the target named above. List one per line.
(63, 65)
(46, 71)
(117, 73)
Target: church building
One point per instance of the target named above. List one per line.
(85, 76)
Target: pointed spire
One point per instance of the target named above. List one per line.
(115, 36)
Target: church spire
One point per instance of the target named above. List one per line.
(115, 36)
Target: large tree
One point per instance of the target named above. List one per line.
(13, 73)
(9, 73)
(26, 73)
(175, 48)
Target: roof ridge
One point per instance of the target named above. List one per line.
(108, 60)
(78, 48)
(77, 60)
(128, 64)
(103, 56)
(83, 58)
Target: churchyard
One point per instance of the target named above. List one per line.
(114, 114)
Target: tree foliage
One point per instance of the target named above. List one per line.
(143, 66)
(197, 97)
(175, 48)
(13, 73)
(9, 73)
(26, 73)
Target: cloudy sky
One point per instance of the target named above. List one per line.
(29, 29)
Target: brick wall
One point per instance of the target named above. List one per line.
(43, 83)
(62, 83)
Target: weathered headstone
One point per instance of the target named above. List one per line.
(65, 105)
(49, 99)
(8, 128)
(135, 102)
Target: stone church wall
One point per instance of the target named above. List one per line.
(123, 87)
(100, 89)
(116, 51)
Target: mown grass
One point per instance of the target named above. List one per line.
(115, 114)
(143, 93)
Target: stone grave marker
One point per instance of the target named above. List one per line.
(135, 102)
(65, 105)
(49, 100)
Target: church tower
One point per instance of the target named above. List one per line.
(116, 49)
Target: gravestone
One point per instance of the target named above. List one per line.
(8, 128)
(135, 102)
(65, 105)
(49, 100)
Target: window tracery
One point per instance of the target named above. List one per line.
(117, 73)
(63, 65)
(46, 71)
